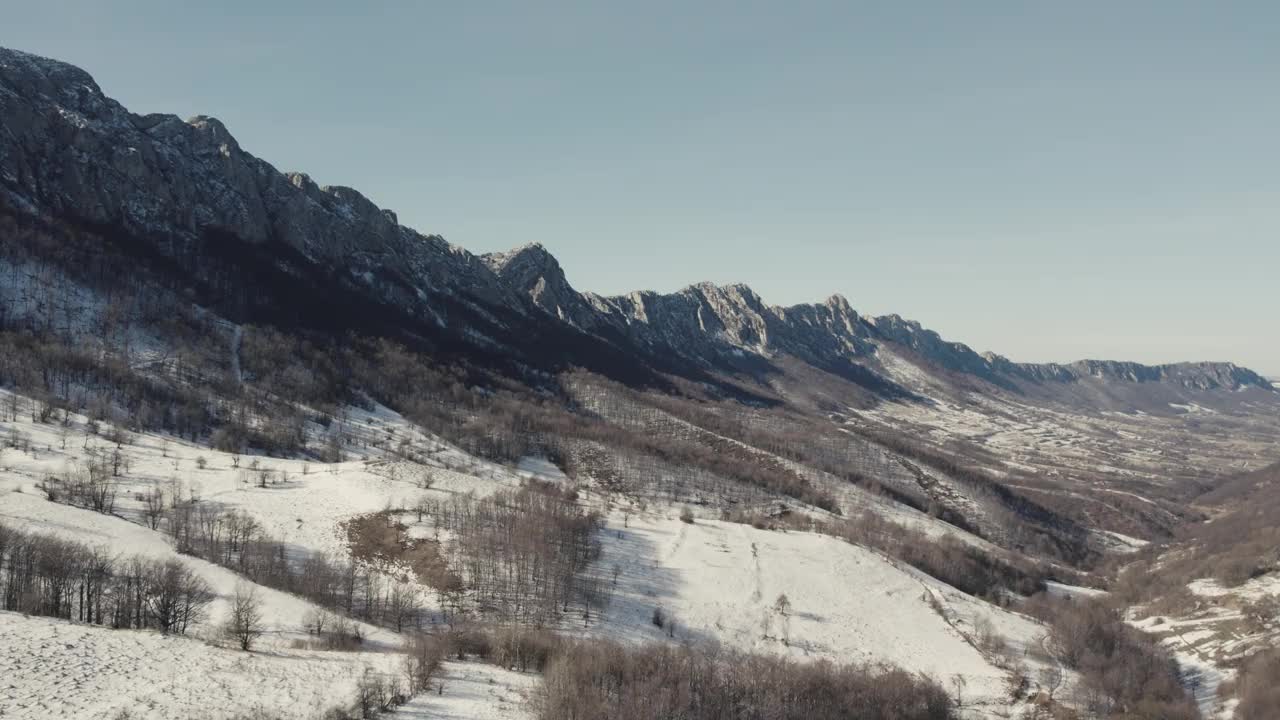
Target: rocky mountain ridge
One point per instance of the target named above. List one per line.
(706, 320)
(190, 192)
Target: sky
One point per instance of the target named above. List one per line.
(1051, 181)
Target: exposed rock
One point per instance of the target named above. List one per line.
(531, 270)
(71, 151)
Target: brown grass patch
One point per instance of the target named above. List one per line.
(381, 540)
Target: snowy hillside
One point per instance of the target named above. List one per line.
(722, 581)
(715, 581)
(54, 668)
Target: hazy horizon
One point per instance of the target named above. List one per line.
(1050, 183)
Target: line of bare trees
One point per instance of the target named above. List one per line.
(48, 576)
(237, 541)
(977, 572)
(525, 554)
(91, 487)
(598, 679)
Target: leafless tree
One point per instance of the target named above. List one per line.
(402, 604)
(153, 507)
(244, 626)
(423, 656)
(176, 596)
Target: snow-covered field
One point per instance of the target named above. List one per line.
(473, 691)
(721, 582)
(55, 669)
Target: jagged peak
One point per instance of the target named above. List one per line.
(835, 304)
(214, 127)
(706, 286)
(839, 302)
(534, 272)
(534, 256)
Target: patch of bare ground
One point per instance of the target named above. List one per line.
(380, 540)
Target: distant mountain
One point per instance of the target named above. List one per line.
(258, 244)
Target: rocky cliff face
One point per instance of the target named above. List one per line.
(532, 271)
(69, 151)
(710, 322)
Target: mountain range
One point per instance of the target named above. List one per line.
(186, 194)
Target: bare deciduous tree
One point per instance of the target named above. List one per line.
(153, 507)
(244, 626)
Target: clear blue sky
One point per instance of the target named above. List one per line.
(1048, 180)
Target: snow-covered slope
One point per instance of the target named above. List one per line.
(472, 691)
(51, 668)
(303, 502)
(721, 582)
